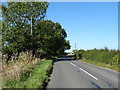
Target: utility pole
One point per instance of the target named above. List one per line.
(31, 26)
(32, 38)
(75, 46)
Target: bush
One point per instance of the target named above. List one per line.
(78, 54)
(105, 56)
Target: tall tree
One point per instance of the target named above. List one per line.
(17, 17)
(50, 38)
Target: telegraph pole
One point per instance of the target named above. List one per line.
(75, 46)
(32, 38)
(31, 26)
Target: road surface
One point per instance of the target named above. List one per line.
(69, 73)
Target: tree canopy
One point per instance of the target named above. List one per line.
(50, 38)
(47, 38)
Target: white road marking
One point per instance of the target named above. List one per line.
(88, 74)
(85, 72)
(72, 64)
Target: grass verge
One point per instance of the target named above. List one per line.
(35, 77)
(108, 66)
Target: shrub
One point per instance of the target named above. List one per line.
(105, 56)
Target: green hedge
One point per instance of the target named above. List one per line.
(104, 56)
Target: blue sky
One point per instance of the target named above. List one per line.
(88, 24)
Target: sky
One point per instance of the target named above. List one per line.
(88, 24)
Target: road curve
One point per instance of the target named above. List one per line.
(69, 73)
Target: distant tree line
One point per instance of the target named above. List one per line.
(105, 55)
(23, 29)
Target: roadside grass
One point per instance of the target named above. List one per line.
(108, 66)
(13, 69)
(35, 77)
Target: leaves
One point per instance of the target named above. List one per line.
(47, 38)
(51, 39)
(16, 24)
(105, 55)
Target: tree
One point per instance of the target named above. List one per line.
(50, 38)
(16, 19)
(23, 30)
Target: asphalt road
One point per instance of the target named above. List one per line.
(69, 73)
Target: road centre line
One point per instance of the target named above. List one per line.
(85, 72)
(88, 74)
(72, 64)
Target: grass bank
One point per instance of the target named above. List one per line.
(108, 66)
(34, 77)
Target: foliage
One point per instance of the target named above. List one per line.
(104, 56)
(13, 69)
(78, 53)
(50, 38)
(25, 30)
(35, 78)
(16, 18)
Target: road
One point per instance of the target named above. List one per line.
(70, 73)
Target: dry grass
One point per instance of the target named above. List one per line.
(16, 67)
